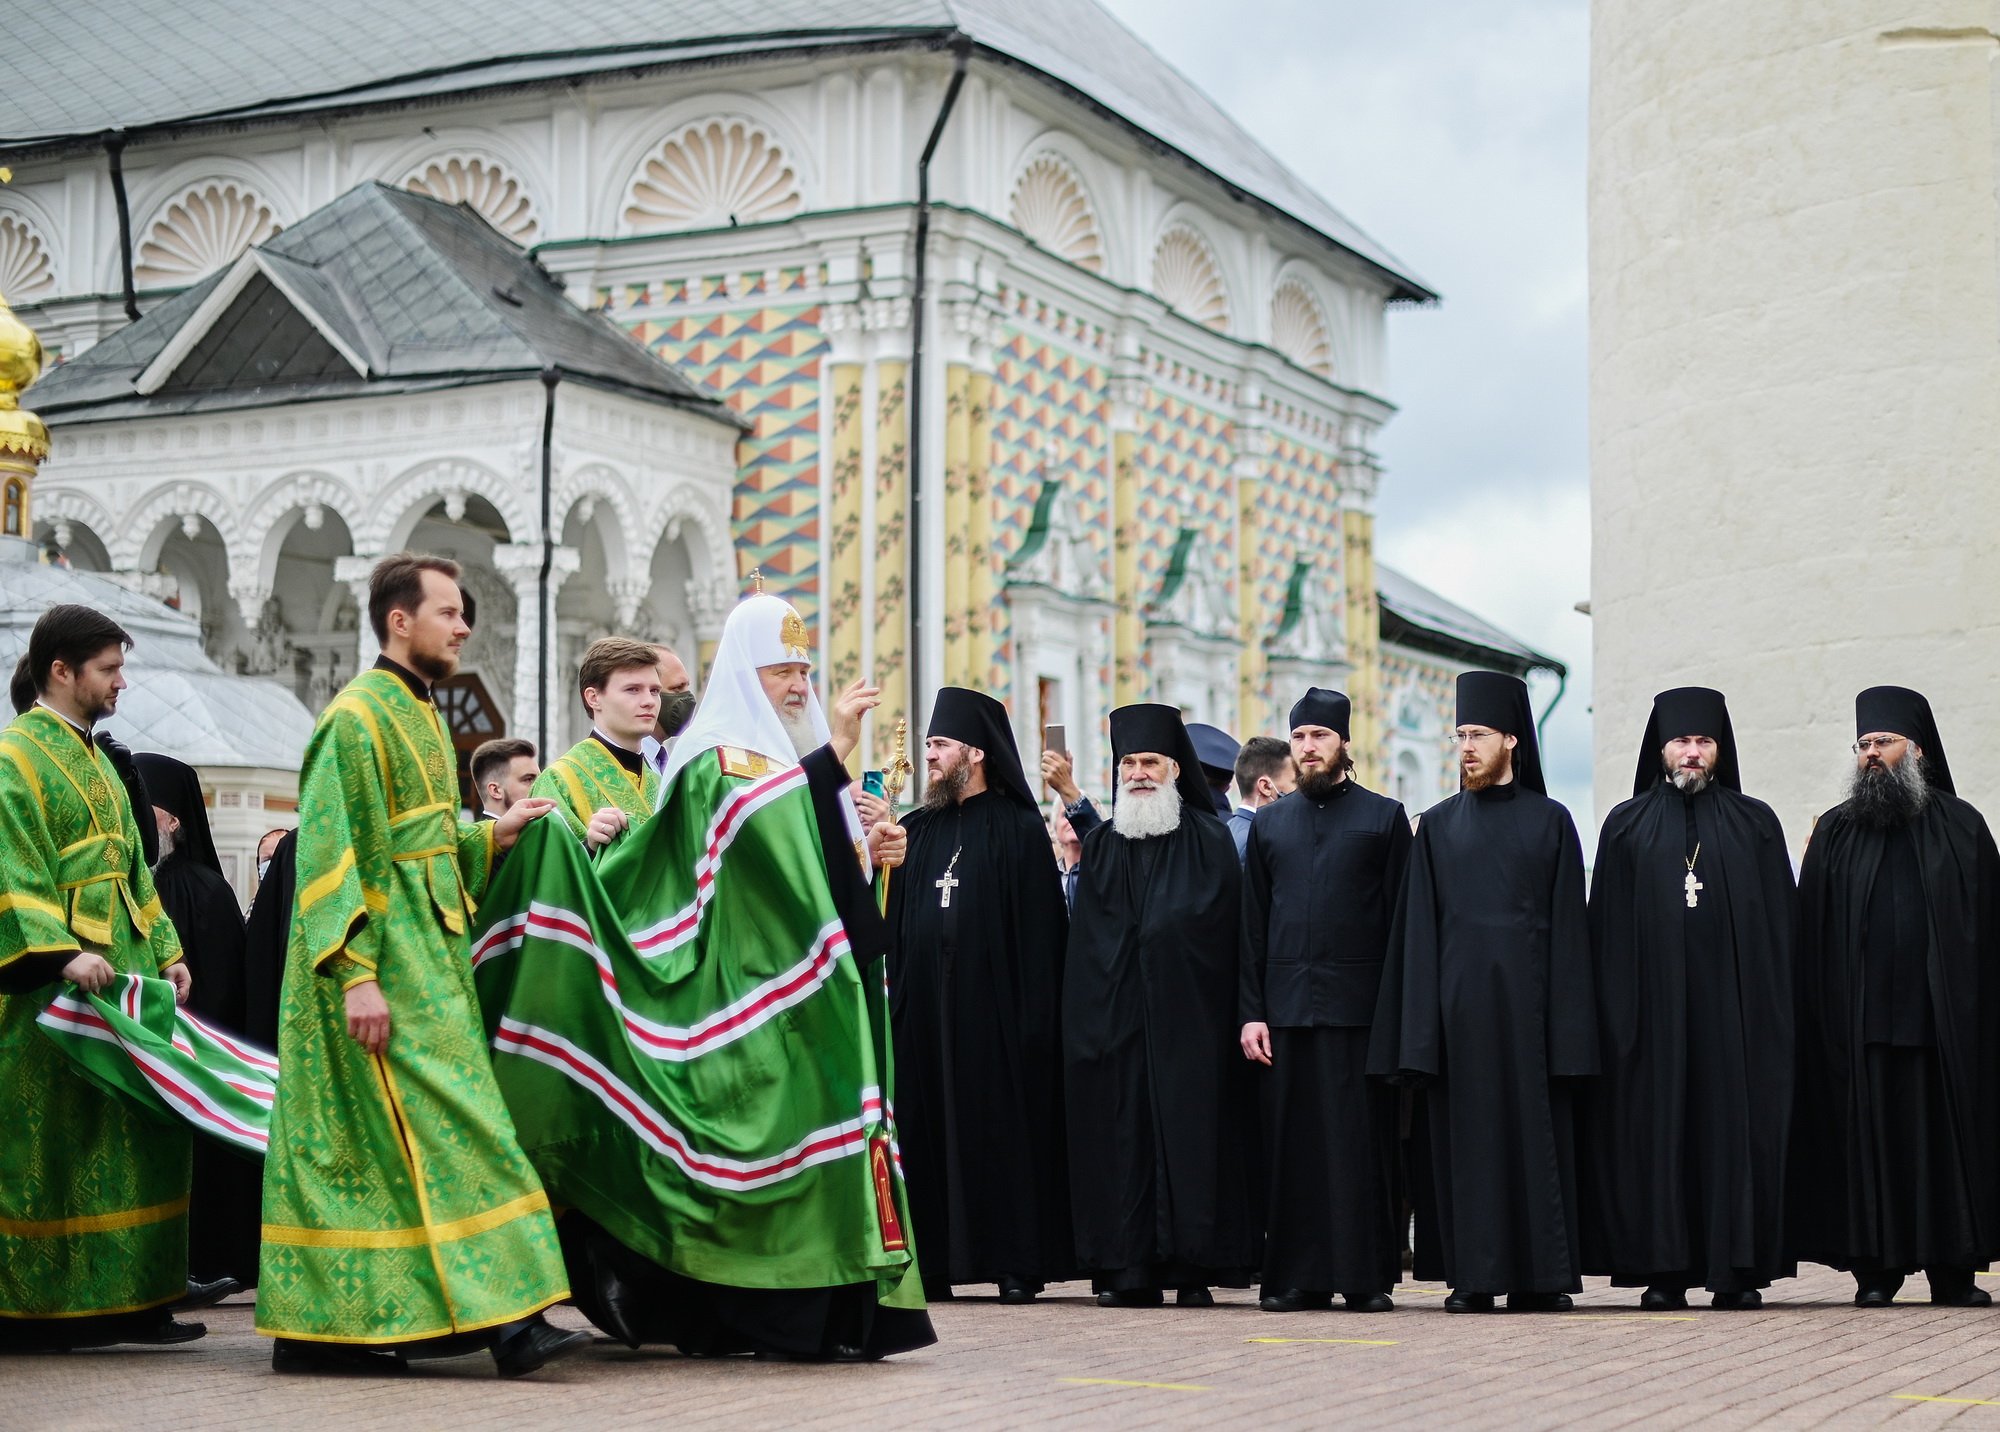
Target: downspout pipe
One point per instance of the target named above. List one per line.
(1542, 721)
(114, 150)
(550, 377)
(961, 46)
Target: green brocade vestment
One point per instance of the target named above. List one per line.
(587, 778)
(93, 1188)
(398, 1205)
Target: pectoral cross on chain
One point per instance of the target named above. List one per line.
(946, 885)
(1692, 885)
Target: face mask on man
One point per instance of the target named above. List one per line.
(676, 710)
(263, 867)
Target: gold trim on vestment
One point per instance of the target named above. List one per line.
(378, 1341)
(324, 885)
(173, 1297)
(14, 900)
(451, 1232)
(93, 1222)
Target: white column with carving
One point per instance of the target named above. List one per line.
(521, 564)
(354, 572)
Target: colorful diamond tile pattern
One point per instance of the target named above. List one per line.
(1051, 417)
(765, 362)
(1184, 460)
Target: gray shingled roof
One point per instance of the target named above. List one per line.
(72, 71)
(428, 293)
(1414, 615)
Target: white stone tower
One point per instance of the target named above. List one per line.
(1795, 375)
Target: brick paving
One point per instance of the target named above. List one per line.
(1808, 1359)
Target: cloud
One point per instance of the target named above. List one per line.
(1454, 133)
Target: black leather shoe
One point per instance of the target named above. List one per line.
(1133, 1298)
(1874, 1298)
(1539, 1303)
(529, 1350)
(611, 1309)
(1193, 1296)
(1973, 1297)
(1737, 1300)
(1469, 1303)
(1295, 1300)
(1663, 1300)
(1016, 1291)
(335, 1359)
(1369, 1302)
(207, 1295)
(162, 1331)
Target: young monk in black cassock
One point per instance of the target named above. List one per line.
(1681, 1140)
(1896, 1138)
(975, 989)
(1487, 1006)
(1322, 876)
(1156, 1089)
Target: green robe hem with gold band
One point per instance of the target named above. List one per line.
(398, 1205)
(93, 1187)
(587, 778)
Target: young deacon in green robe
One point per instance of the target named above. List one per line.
(401, 1218)
(93, 1189)
(602, 785)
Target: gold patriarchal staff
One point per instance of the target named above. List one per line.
(895, 776)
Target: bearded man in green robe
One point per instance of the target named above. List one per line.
(401, 1218)
(602, 786)
(93, 1189)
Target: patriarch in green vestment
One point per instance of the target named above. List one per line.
(401, 1218)
(93, 1187)
(603, 786)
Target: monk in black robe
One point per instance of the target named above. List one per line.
(1682, 1138)
(266, 931)
(1896, 1139)
(1322, 877)
(1487, 1006)
(226, 1197)
(1158, 1098)
(975, 990)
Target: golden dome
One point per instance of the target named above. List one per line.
(21, 432)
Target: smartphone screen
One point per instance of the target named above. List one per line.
(1055, 738)
(871, 782)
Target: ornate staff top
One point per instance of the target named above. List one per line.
(897, 773)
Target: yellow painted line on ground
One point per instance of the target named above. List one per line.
(1357, 1342)
(1120, 1382)
(1427, 1292)
(1961, 1401)
(1625, 1318)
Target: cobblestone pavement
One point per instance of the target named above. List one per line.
(1809, 1359)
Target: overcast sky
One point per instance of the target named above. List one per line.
(1452, 132)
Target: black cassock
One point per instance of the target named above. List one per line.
(1487, 1007)
(975, 996)
(1321, 883)
(1681, 1140)
(1896, 1138)
(1156, 1086)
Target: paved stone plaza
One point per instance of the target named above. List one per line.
(1808, 1360)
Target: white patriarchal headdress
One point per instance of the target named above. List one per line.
(734, 711)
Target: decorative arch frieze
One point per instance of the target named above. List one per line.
(1299, 327)
(686, 508)
(27, 267)
(605, 490)
(709, 174)
(489, 187)
(408, 497)
(61, 509)
(308, 497)
(1187, 276)
(175, 505)
(209, 224)
(1050, 204)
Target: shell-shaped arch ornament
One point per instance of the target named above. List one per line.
(1186, 277)
(483, 185)
(196, 234)
(26, 271)
(1298, 328)
(713, 174)
(1050, 206)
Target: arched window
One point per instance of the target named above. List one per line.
(10, 508)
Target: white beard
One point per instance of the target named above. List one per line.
(798, 725)
(1141, 815)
